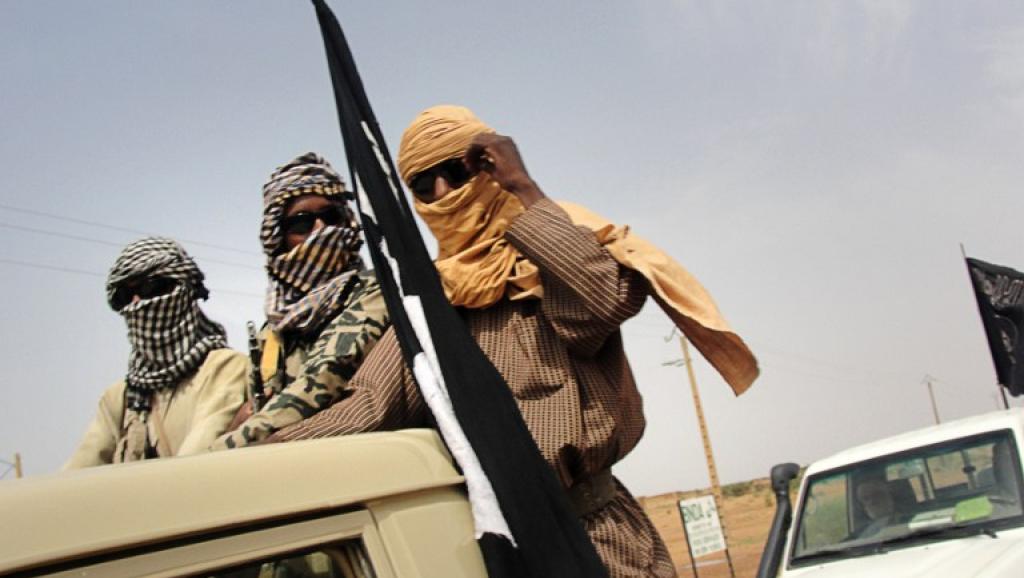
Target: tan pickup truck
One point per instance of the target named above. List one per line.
(374, 505)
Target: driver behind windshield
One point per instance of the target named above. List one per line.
(877, 501)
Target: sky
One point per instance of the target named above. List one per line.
(815, 165)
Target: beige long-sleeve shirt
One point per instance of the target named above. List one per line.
(193, 414)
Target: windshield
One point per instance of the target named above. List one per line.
(968, 485)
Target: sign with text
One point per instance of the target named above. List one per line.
(703, 529)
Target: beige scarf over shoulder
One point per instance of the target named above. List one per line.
(680, 295)
(478, 266)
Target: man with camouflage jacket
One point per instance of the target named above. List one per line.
(324, 311)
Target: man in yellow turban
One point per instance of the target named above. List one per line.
(543, 288)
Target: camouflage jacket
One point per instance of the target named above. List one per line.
(313, 371)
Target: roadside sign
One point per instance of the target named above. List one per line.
(703, 529)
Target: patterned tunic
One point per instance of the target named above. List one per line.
(315, 370)
(563, 358)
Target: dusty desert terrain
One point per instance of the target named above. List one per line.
(746, 515)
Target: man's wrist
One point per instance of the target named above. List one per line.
(527, 191)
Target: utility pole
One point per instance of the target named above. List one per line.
(927, 380)
(716, 489)
(17, 465)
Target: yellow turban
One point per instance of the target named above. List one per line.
(478, 267)
(439, 133)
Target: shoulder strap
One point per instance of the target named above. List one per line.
(124, 406)
(163, 443)
(270, 355)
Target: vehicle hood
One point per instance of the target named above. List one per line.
(977, 556)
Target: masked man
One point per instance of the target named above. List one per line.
(183, 384)
(544, 289)
(324, 311)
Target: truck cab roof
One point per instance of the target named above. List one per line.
(98, 511)
(1012, 419)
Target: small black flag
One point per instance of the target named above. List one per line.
(1000, 294)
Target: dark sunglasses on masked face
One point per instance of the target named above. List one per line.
(303, 223)
(143, 288)
(453, 171)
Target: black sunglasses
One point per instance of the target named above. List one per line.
(145, 288)
(453, 171)
(303, 223)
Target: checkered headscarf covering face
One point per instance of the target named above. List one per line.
(307, 282)
(170, 336)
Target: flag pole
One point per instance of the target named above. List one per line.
(931, 394)
(999, 386)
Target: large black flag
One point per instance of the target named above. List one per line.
(486, 434)
(1000, 294)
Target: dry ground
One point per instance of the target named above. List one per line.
(746, 519)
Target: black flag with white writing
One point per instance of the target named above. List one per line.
(522, 515)
(1000, 294)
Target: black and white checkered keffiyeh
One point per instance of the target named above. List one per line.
(169, 334)
(307, 283)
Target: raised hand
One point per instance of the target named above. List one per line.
(498, 156)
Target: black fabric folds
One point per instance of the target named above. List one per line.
(1000, 294)
(551, 541)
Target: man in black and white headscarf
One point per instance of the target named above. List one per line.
(183, 384)
(325, 311)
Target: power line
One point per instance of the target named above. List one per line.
(803, 365)
(117, 228)
(113, 244)
(762, 351)
(11, 466)
(51, 268)
(60, 269)
(775, 367)
(233, 292)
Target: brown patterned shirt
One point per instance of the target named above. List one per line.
(562, 357)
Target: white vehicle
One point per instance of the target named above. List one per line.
(940, 501)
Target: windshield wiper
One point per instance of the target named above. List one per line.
(832, 553)
(881, 547)
(954, 531)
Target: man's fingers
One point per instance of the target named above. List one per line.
(498, 156)
(479, 158)
(472, 158)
